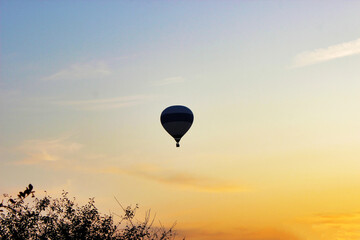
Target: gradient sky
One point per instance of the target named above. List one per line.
(273, 153)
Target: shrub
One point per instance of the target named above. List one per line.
(29, 217)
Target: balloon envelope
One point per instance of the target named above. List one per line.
(177, 120)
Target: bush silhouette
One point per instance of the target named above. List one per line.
(29, 217)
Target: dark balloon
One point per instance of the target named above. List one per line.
(177, 120)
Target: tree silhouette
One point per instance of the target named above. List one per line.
(29, 217)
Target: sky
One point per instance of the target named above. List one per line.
(273, 153)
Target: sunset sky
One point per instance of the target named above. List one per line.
(274, 150)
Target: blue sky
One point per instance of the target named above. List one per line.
(273, 86)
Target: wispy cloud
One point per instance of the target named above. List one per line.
(4, 94)
(326, 54)
(61, 152)
(175, 178)
(336, 226)
(239, 233)
(81, 71)
(106, 103)
(46, 150)
(168, 81)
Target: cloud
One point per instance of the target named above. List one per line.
(148, 172)
(326, 54)
(61, 152)
(336, 225)
(4, 94)
(81, 71)
(38, 150)
(240, 233)
(168, 81)
(180, 179)
(106, 103)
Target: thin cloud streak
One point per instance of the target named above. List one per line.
(240, 233)
(170, 80)
(36, 151)
(81, 71)
(336, 225)
(152, 173)
(61, 152)
(180, 179)
(106, 103)
(327, 54)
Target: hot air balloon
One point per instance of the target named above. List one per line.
(177, 120)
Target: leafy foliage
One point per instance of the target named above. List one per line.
(29, 217)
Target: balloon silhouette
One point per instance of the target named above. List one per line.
(177, 120)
